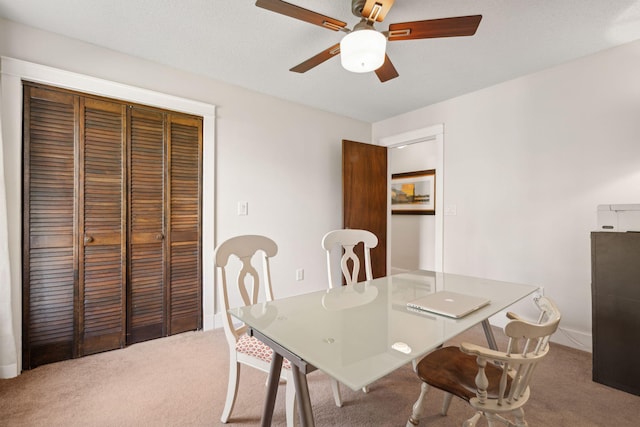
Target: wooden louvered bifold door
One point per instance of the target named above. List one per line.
(48, 226)
(111, 224)
(103, 213)
(147, 308)
(185, 166)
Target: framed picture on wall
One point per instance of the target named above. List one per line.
(413, 193)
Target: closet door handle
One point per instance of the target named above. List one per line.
(159, 236)
(88, 239)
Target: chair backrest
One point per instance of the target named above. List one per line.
(528, 345)
(348, 239)
(244, 248)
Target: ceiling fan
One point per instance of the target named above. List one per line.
(363, 48)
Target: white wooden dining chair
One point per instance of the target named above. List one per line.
(244, 349)
(494, 383)
(350, 263)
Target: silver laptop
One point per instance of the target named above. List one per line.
(450, 304)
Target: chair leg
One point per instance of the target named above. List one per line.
(446, 402)
(232, 390)
(519, 416)
(491, 419)
(471, 422)
(291, 409)
(418, 407)
(335, 387)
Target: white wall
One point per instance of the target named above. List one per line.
(526, 164)
(284, 159)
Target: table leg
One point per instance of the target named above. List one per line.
(272, 389)
(488, 332)
(302, 396)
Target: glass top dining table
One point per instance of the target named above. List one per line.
(362, 332)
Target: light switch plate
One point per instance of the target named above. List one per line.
(243, 208)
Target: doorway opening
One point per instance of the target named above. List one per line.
(416, 241)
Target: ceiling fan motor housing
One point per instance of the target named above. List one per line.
(357, 6)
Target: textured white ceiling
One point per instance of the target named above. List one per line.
(236, 42)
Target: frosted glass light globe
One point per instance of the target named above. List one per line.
(362, 51)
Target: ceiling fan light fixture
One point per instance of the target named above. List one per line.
(362, 51)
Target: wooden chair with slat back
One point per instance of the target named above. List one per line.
(350, 263)
(244, 349)
(494, 383)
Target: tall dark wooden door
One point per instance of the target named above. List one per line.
(165, 224)
(185, 207)
(49, 254)
(365, 197)
(147, 224)
(102, 212)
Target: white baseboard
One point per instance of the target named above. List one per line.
(396, 270)
(575, 339)
(9, 371)
(210, 321)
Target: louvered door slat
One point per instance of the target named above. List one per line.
(147, 262)
(48, 226)
(102, 287)
(185, 210)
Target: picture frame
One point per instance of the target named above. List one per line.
(413, 193)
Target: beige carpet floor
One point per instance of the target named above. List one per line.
(181, 381)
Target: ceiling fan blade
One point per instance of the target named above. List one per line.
(387, 71)
(317, 59)
(298, 12)
(376, 9)
(433, 28)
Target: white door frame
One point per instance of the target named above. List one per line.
(434, 134)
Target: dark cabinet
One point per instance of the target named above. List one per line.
(111, 224)
(615, 270)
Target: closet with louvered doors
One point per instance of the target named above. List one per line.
(112, 224)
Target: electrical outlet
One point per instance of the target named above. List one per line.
(300, 274)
